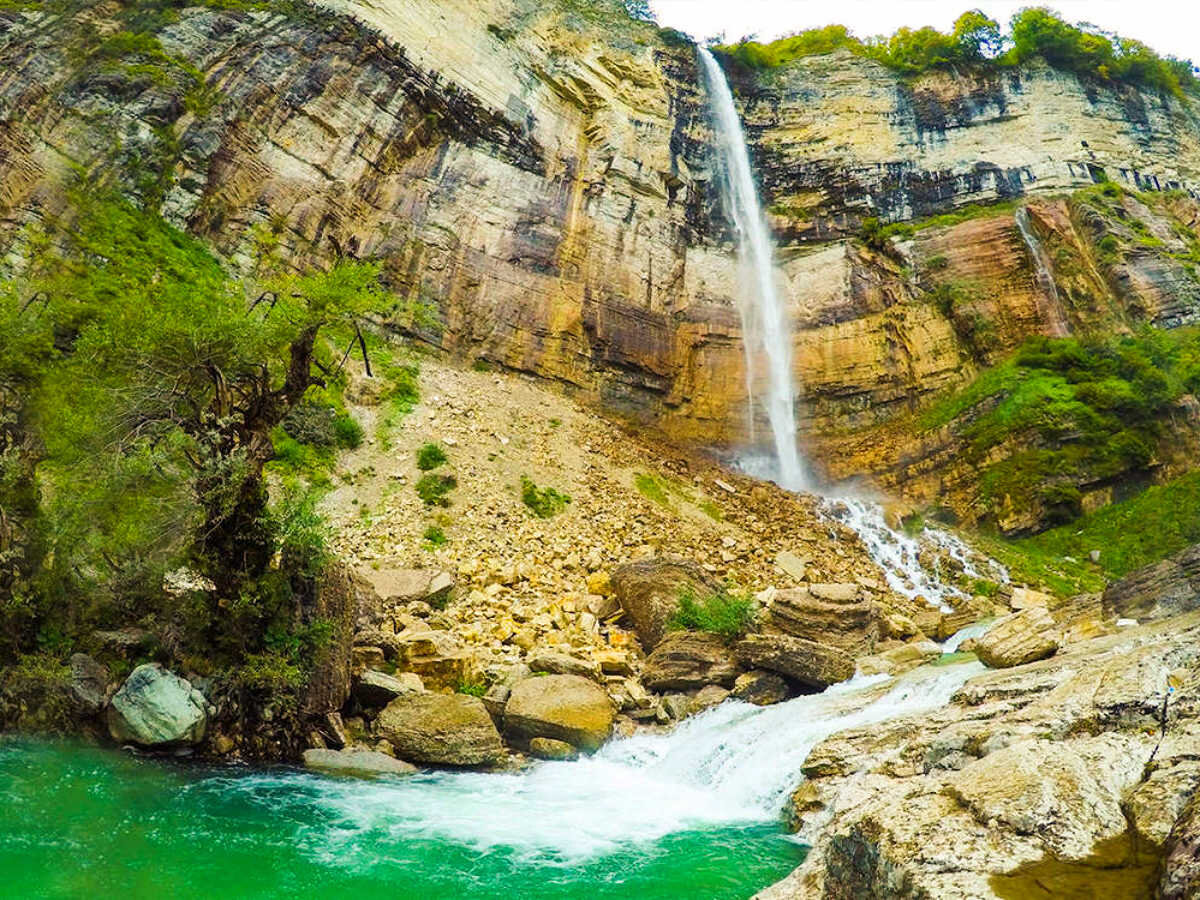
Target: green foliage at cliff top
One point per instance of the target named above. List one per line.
(977, 41)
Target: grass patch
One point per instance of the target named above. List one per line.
(650, 488)
(725, 613)
(434, 490)
(430, 456)
(710, 509)
(1158, 522)
(471, 688)
(434, 536)
(545, 502)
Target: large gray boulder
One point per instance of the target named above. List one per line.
(649, 592)
(686, 660)
(441, 729)
(355, 763)
(155, 708)
(807, 662)
(1163, 589)
(1023, 637)
(562, 707)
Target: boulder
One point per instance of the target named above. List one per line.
(441, 729)
(89, 683)
(1025, 598)
(393, 586)
(548, 748)
(555, 663)
(687, 660)
(900, 659)
(791, 565)
(649, 590)
(366, 658)
(563, 707)
(707, 697)
(377, 689)
(155, 708)
(1167, 588)
(761, 688)
(355, 763)
(808, 662)
(830, 614)
(1020, 638)
(437, 657)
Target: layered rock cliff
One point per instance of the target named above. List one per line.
(538, 176)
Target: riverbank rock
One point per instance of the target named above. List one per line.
(437, 657)
(563, 707)
(548, 748)
(807, 662)
(1164, 589)
(685, 660)
(441, 729)
(155, 707)
(900, 659)
(649, 592)
(1020, 638)
(761, 688)
(377, 689)
(555, 663)
(831, 614)
(398, 586)
(355, 763)
(89, 683)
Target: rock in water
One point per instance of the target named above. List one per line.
(686, 660)
(808, 662)
(441, 729)
(649, 592)
(355, 763)
(1166, 588)
(156, 708)
(1023, 637)
(761, 688)
(563, 707)
(548, 748)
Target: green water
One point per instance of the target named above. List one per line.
(82, 822)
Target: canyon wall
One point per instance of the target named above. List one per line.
(537, 176)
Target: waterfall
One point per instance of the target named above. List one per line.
(767, 334)
(1045, 275)
(764, 318)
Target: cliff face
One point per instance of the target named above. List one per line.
(538, 175)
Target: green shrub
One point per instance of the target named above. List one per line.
(347, 433)
(430, 456)
(435, 536)
(543, 502)
(724, 613)
(433, 489)
(471, 688)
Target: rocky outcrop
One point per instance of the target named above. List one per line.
(1181, 865)
(649, 592)
(760, 688)
(376, 690)
(833, 614)
(156, 708)
(1023, 637)
(441, 729)
(1049, 779)
(811, 664)
(356, 763)
(564, 708)
(686, 661)
(1163, 589)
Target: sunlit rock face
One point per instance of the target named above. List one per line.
(537, 180)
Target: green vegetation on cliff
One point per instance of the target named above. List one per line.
(1071, 412)
(978, 41)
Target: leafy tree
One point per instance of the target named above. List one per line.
(977, 36)
(640, 10)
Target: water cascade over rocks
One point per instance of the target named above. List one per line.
(1045, 277)
(767, 330)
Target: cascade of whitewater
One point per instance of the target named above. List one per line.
(767, 333)
(736, 763)
(764, 318)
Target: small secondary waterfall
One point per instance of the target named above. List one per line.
(764, 318)
(767, 334)
(1045, 276)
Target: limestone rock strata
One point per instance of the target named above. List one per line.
(1039, 779)
(1165, 588)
